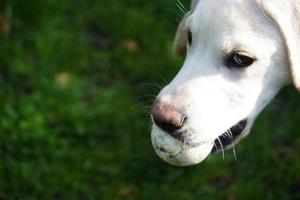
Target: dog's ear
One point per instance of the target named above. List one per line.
(286, 14)
(180, 42)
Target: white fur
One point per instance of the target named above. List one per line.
(215, 97)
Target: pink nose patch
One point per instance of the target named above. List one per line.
(167, 117)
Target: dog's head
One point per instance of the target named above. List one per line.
(239, 54)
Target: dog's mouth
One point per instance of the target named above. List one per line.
(182, 152)
(229, 137)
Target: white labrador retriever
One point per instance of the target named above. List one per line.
(239, 54)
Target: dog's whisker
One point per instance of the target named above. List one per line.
(233, 145)
(234, 153)
(174, 13)
(145, 95)
(147, 108)
(178, 16)
(180, 9)
(152, 96)
(156, 90)
(230, 134)
(208, 157)
(223, 153)
(181, 5)
(151, 85)
(165, 82)
(216, 146)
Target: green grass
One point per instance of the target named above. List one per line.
(76, 82)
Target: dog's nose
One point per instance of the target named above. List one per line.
(167, 117)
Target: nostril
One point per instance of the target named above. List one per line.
(167, 117)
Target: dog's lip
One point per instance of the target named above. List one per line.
(223, 141)
(227, 138)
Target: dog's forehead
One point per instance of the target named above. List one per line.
(229, 25)
(228, 15)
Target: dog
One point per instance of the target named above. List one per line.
(238, 55)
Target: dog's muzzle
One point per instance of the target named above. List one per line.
(171, 143)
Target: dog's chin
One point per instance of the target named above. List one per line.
(177, 153)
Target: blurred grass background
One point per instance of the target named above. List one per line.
(76, 82)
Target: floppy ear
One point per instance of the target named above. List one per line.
(194, 4)
(179, 46)
(286, 13)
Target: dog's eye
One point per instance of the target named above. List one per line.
(239, 60)
(190, 37)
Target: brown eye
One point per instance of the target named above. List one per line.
(239, 60)
(190, 38)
